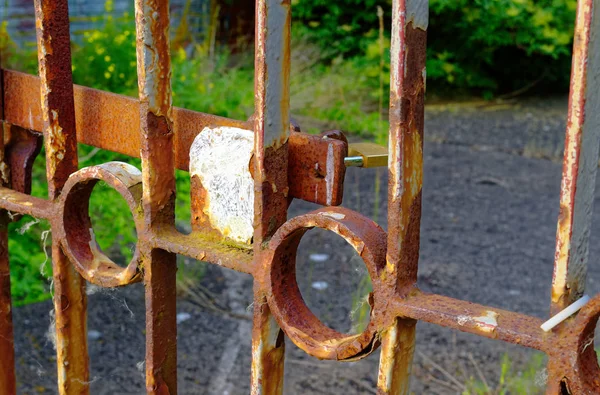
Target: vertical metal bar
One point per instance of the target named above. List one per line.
(580, 161)
(7, 346)
(58, 111)
(579, 168)
(271, 131)
(407, 93)
(158, 201)
(7, 343)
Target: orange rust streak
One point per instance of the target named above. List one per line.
(105, 120)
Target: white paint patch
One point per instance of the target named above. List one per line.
(126, 173)
(417, 12)
(487, 322)
(330, 173)
(220, 158)
(333, 215)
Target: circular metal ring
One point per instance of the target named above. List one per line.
(284, 297)
(75, 230)
(582, 374)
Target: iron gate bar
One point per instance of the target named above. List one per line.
(158, 200)
(163, 145)
(7, 365)
(58, 114)
(579, 175)
(405, 168)
(269, 170)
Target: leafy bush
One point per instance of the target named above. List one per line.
(500, 45)
(481, 46)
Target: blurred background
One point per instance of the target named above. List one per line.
(497, 79)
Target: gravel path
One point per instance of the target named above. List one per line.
(490, 204)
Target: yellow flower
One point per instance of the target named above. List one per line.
(121, 75)
(111, 68)
(107, 58)
(107, 75)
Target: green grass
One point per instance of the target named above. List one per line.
(528, 380)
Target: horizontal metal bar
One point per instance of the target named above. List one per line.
(199, 246)
(17, 202)
(104, 120)
(474, 318)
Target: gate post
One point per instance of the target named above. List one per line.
(405, 166)
(7, 342)
(580, 166)
(270, 163)
(158, 199)
(58, 112)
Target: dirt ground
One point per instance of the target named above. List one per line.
(490, 205)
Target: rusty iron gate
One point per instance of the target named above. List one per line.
(284, 164)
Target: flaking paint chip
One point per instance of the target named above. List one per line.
(220, 158)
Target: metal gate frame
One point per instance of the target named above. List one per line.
(161, 136)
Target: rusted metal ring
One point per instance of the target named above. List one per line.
(284, 297)
(582, 374)
(75, 228)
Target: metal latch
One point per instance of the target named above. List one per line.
(366, 155)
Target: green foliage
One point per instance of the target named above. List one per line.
(527, 381)
(12, 56)
(339, 26)
(499, 45)
(106, 59)
(481, 46)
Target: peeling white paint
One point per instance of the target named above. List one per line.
(126, 173)
(487, 322)
(333, 215)
(220, 158)
(330, 174)
(417, 12)
(154, 73)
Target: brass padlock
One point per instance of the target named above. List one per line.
(366, 155)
